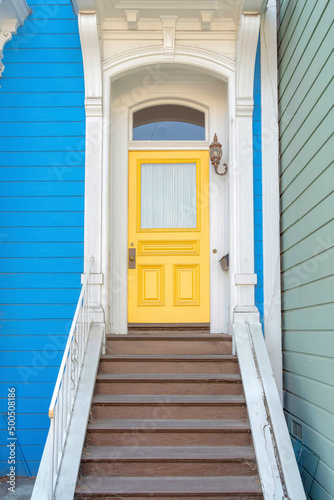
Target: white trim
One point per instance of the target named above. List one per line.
(169, 145)
(241, 189)
(270, 196)
(89, 37)
(12, 15)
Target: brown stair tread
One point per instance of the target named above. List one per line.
(169, 377)
(169, 425)
(143, 453)
(169, 357)
(170, 336)
(236, 399)
(112, 486)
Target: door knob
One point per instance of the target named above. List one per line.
(132, 258)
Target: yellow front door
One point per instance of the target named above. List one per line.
(168, 276)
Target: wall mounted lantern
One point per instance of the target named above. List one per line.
(216, 154)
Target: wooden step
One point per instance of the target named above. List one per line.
(169, 364)
(170, 344)
(169, 407)
(142, 432)
(168, 461)
(168, 384)
(168, 488)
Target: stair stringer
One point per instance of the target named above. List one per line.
(277, 466)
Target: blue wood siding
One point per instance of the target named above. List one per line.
(42, 161)
(257, 173)
(307, 230)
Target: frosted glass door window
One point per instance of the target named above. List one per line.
(168, 195)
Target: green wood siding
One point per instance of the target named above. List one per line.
(305, 51)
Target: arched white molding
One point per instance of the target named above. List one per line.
(241, 184)
(90, 44)
(218, 65)
(12, 15)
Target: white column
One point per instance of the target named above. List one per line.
(270, 197)
(89, 36)
(244, 277)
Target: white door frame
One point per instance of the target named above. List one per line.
(121, 113)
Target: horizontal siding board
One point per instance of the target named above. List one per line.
(51, 11)
(41, 250)
(325, 476)
(45, 234)
(33, 358)
(42, 219)
(295, 224)
(39, 296)
(321, 420)
(315, 293)
(24, 390)
(303, 152)
(290, 13)
(317, 393)
(34, 437)
(309, 90)
(66, 26)
(40, 280)
(13, 375)
(18, 189)
(315, 342)
(33, 453)
(319, 493)
(45, 174)
(42, 114)
(36, 327)
(20, 468)
(32, 342)
(313, 115)
(43, 129)
(43, 84)
(286, 15)
(39, 311)
(299, 55)
(313, 439)
(311, 318)
(316, 268)
(294, 181)
(43, 56)
(309, 247)
(303, 156)
(36, 159)
(38, 203)
(46, 99)
(45, 144)
(318, 368)
(42, 265)
(49, 40)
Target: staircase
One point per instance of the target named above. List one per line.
(168, 420)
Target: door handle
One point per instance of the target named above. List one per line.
(132, 258)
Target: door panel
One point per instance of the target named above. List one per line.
(169, 228)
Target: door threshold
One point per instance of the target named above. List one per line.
(169, 327)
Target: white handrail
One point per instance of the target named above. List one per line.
(278, 469)
(61, 406)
